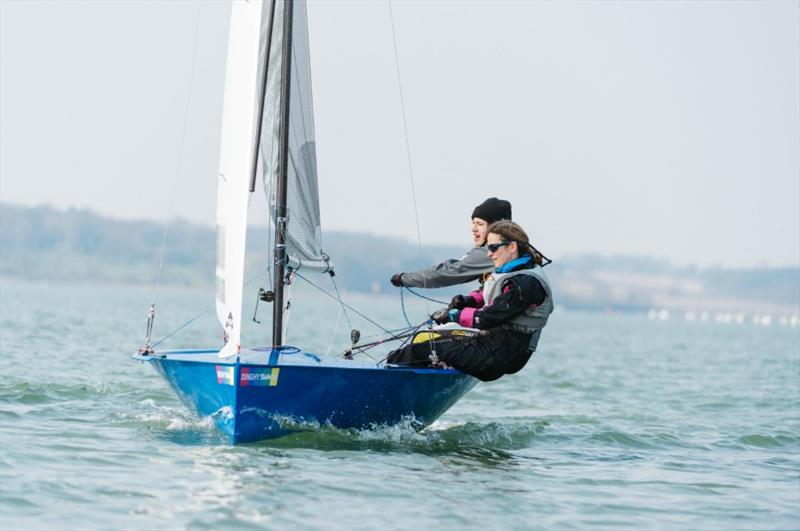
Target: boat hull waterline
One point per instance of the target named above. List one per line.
(270, 393)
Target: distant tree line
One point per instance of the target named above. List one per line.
(42, 243)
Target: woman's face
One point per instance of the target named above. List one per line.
(504, 253)
(479, 228)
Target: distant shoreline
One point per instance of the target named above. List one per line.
(42, 244)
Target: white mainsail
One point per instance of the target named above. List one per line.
(236, 153)
(303, 232)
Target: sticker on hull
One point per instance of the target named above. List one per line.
(224, 375)
(256, 376)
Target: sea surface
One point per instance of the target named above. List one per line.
(618, 422)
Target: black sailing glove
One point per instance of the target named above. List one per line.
(458, 302)
(440, 316)
(397, 280)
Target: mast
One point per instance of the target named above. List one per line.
(280, 188)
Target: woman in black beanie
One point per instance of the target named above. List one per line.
(472, 265)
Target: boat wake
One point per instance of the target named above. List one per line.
(468, 439)
(174, 423)
(471, 439)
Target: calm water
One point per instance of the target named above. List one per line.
(617, 422)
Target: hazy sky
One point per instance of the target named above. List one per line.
(661, 128)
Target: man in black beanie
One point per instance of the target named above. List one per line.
(492, 210)
(473, 264)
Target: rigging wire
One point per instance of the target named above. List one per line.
(335, 330)
(177, 175)
(184, 325)
(269, 190)
(394, 334)
(294, 273)
(196, 317)
(408, 157)
(341, 301)
(151, 314)
(344, 303)
(405, 126)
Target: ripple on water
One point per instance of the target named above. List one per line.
(770, 441)
(34, 393)
(626, 424)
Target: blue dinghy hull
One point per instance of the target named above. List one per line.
(269, 393)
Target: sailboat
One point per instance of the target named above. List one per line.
(264, 392)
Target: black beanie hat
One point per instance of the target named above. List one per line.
(492, 210)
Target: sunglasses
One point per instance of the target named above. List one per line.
(493, 247)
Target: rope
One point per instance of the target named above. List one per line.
(394, 331)
(287, 314)
(335, 329)
(421, 296)
(363, 348)
(403, 305)
(403, 308)
(344, 304)
(270, 250)
(407, 338)
(407, 334)
(341, 302)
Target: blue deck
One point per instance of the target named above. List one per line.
(267, 392)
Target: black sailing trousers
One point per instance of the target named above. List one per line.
(487, 356)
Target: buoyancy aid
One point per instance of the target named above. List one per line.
(534, 318)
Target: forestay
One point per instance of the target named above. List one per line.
(303, 232)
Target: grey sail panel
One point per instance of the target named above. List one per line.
(303, 229)
(270, 127)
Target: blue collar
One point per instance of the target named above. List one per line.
(509, 266)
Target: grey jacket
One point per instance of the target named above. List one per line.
(452, 272)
